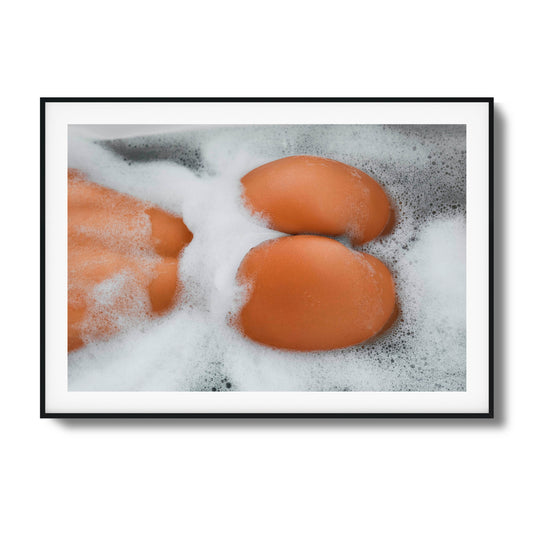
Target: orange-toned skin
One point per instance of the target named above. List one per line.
(110, 234)
(308, 194)
(312, 293)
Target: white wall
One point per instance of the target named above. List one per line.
(412, 476)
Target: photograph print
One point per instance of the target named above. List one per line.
(268, 268)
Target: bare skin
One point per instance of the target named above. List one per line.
(122, 260)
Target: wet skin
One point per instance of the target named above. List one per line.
(305, 292)
(113, 236)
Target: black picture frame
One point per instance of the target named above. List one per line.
(46, 414)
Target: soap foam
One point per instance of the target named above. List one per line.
(193, 348)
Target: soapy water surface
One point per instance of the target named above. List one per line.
(195, 172)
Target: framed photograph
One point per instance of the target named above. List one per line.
(266, 257)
